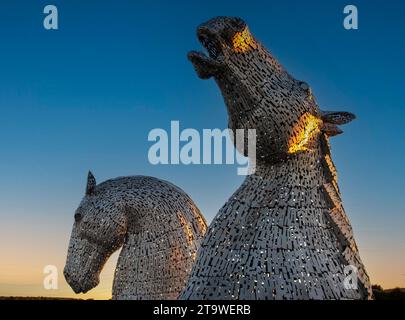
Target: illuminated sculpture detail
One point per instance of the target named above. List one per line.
(157, 225)
(284, 233)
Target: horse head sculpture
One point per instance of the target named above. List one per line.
(259, 93)
(284, 233)
(157, 225)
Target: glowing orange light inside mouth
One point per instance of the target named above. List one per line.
(243, 41)
(305, 129)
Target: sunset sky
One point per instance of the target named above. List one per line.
(86, 96)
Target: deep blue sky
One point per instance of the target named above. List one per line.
(86, 96)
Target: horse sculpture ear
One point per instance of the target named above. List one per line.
(91, 184)
(337, 117)
(331, 120)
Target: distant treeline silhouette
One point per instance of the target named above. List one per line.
(378, 294)
(389, 294)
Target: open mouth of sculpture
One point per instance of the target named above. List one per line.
(212, 46)
(210, 64)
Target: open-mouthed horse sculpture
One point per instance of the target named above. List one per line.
(284, 233)
(157, 225)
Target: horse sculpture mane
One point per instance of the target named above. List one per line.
(282, 235)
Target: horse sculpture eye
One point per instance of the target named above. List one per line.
(78, 217)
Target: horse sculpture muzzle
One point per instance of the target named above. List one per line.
(82, 271)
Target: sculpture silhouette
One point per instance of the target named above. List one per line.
(284, 233)
(157, 225)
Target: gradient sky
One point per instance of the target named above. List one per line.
(86, 96)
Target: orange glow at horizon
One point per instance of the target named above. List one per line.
(24, 255)
(21, 265)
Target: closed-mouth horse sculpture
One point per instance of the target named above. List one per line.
(157, 225)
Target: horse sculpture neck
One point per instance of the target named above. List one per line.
(163, 235)
(279, 235)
